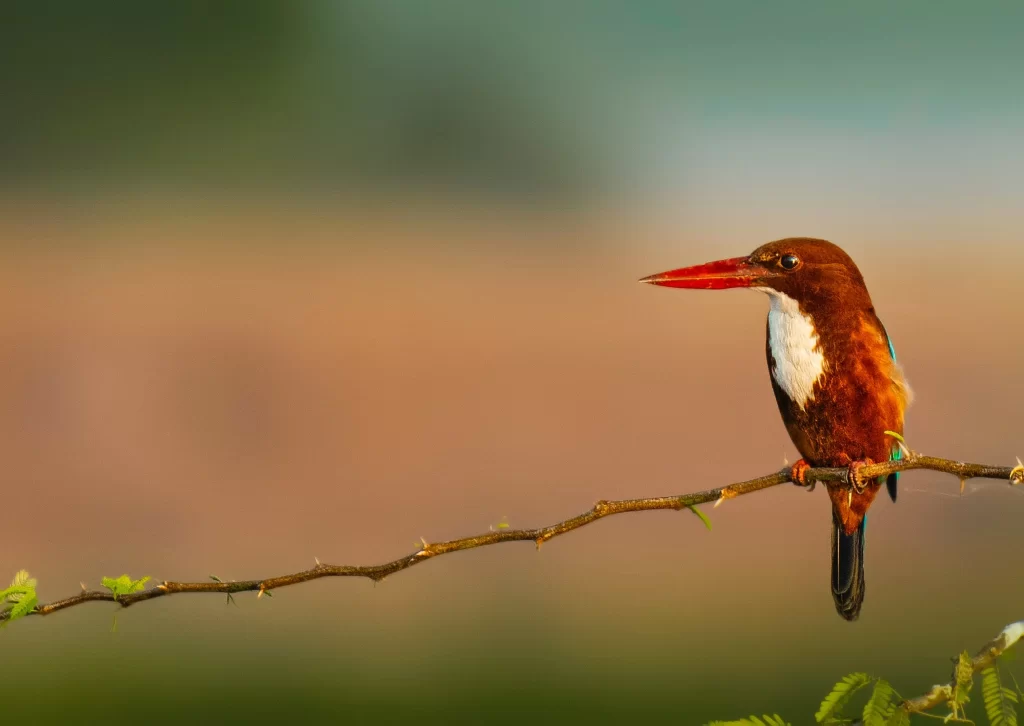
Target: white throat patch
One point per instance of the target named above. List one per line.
(794, 346)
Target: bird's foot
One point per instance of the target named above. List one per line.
(854, 478)
(799, 475)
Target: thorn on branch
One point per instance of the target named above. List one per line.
(727, 493)
(425, 550)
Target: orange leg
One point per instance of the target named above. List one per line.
(798, 473)
(853, 476)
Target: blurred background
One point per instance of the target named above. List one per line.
(285, 280)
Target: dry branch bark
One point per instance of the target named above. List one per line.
(600, 510)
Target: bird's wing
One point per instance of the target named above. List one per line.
(896, 453)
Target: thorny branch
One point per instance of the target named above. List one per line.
(539, 536)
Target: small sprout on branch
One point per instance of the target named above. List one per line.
(703, 517)
(230, 600)
(902, 442)
(1017, 473)
(963, 674)
(124, 585)
(897, 436)
(19, 599)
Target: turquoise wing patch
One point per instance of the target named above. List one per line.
(897, 453)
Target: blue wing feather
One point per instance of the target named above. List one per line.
(897, 453)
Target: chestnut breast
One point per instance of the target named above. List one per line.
(835, 381)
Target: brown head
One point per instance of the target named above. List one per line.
(814, 272)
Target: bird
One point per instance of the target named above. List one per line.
(833, 370)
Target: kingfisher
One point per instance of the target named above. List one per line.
(834, 373)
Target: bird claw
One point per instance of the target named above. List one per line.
(853, 476)
(799, 475)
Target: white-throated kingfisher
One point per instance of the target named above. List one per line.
(835, 377)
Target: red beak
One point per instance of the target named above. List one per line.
(721, 275)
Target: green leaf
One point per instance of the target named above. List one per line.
(124, 585)
(880, 706)
(703, 517)
(899, 718)
(841, 693)
(898, 437)
(23, 579)
(1000, 701)
(23, 607)
(19, 599)
(964, 676)
(775, 720)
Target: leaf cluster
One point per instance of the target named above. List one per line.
(19, 599)
(124, 585)
(766, 720)
(885, 707)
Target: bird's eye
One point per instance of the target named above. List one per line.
(789, 262)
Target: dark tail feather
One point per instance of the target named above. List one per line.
(891, 483)
(848, 569)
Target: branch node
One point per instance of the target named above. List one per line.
(1017, 473)
(727, 493)
(601, 507)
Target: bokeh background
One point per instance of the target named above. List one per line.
(285, 280)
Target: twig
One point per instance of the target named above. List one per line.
(986, 656)
(538, 536)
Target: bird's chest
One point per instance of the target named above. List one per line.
(835, 391)
(796, 360)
